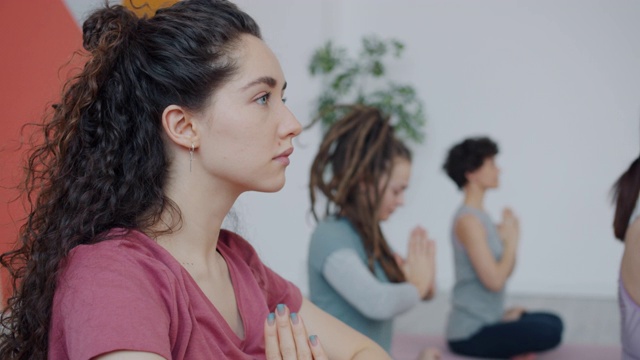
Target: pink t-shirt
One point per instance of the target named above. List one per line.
(129, 293)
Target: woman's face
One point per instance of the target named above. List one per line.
(393, 195)
(247, 130)
(486, 176)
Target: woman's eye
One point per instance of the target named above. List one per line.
(262, 100)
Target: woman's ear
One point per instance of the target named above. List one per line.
(180, 126)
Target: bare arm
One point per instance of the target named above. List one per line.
(492, 273)
(340, 342)
(630, 266)
(129, 355)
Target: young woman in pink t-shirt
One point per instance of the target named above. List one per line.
(122, 255)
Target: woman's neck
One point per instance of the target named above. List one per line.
(202, 211)
(474, 196)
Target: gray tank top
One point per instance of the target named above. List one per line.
(472, 304)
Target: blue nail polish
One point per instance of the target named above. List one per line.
(280, 309)
(294, 318)
(313, 339)
(271, 319)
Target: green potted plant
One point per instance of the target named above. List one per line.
(348, 80)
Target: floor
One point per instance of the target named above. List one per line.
(593, 321)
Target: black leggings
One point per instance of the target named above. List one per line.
(533, 332)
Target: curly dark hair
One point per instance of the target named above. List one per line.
(358, 150)
(100, 162)
(468, 156)
(625, 194)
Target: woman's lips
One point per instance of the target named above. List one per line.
(283, 158)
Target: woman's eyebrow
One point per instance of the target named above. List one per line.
(268, 80)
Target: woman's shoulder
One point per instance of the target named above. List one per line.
(466, 211)
(633, 230)
(334, 233)
(120, 250)
(126, 265)
(468, 228)
(122, 279)
(334, 224)
(467, 218)
(117, 240)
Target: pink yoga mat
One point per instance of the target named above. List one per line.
(407, 347)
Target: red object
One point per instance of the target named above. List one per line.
(36, 40)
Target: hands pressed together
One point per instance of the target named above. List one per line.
(286, 337)
(509, 228)
(419, 267)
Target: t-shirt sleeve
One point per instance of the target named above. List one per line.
(109, 298)
(275, 288)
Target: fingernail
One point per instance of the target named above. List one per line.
(313, 339)
(280, 309)
(271, 319)
(294, 318)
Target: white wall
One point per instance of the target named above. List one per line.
(556, 83)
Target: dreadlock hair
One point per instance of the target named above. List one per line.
(357, 152)
(100, 162)
(625, 196)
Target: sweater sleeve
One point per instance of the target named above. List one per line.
(348, 275)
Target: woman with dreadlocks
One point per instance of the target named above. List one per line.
(123, 255)
(363, 171)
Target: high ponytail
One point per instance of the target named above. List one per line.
(101, 162)
(625, 196)
(107, 26)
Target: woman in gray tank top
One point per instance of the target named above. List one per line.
(484, 256)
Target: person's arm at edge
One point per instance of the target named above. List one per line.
(129, 355)
(339, 340)
(630, 264)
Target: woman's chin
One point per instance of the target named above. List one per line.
(384, 217)
(271, 187)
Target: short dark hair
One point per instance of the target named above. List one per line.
(468, 156)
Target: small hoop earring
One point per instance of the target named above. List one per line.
(191, 156)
